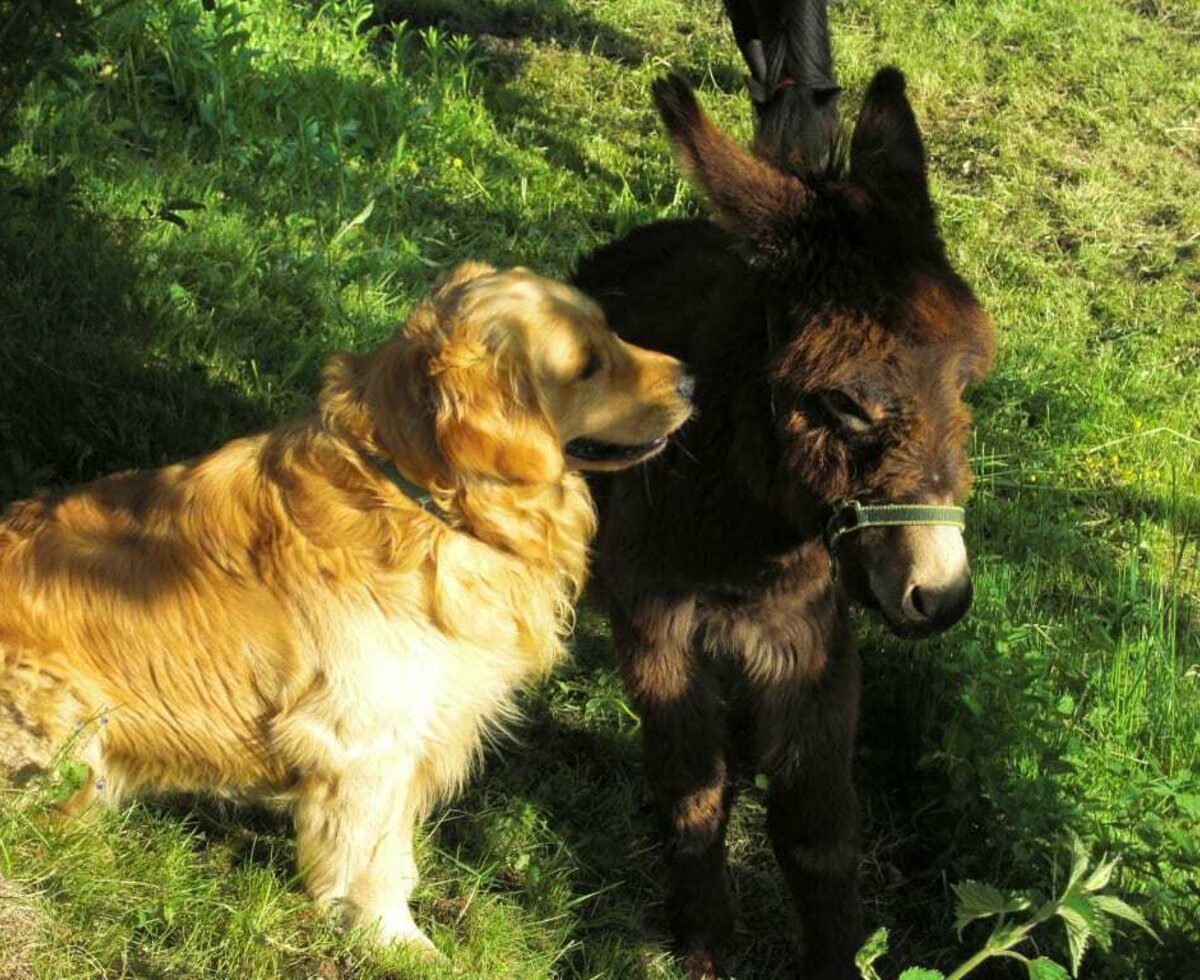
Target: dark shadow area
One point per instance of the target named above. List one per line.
(498, 25)
(587, 783)
(35, 39)
(85, 390)
(253, 835)
(539, 20)
(587, 786)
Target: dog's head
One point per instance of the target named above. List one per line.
(509, 376)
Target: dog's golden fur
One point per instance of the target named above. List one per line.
(279, 619)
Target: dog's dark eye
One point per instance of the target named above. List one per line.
(844, 409)
(591, 367)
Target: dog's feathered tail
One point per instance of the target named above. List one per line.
(786, 46)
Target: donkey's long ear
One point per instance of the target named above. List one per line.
(886, 153)
(753, 199)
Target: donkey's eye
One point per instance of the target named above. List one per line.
(591, 367)
(846, 410)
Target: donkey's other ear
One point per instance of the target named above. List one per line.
(753, 199)
(886, 153)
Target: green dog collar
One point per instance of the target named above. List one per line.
(418, 495)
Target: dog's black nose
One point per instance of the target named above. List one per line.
(686, 385)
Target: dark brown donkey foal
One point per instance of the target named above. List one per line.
(831, 342)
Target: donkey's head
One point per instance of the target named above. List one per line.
(870, 339)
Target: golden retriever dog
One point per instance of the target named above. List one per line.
(334, 613)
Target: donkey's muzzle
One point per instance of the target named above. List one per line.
(921, 579)
(932, 609)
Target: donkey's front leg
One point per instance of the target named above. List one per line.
(684, 751)
(806, 724)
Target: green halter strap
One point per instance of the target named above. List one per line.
(852, 516)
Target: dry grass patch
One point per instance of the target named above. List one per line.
(20, 928)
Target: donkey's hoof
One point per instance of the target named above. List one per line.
(701, 964)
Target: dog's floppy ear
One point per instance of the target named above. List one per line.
(486, 414)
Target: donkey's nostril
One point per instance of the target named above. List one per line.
(917, 600)
(940, 607)
(686, 385)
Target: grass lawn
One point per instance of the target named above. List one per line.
(204, 204)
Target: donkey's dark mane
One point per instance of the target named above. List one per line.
(829, 166)
(792, 84)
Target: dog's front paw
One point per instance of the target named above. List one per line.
(397, 926)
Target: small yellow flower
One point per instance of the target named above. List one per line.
(457, 163)
(413, 168)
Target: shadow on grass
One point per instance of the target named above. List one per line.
(540, 20)
(554, 22)
(250, 834)
(583, 778)
(85, 389)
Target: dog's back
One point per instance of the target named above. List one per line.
(141, 595)
(211, 624)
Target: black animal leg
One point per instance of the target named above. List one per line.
(684, 745)
(806, 730)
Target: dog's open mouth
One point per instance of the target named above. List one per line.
(595, 454)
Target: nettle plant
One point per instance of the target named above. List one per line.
(1088, 912)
